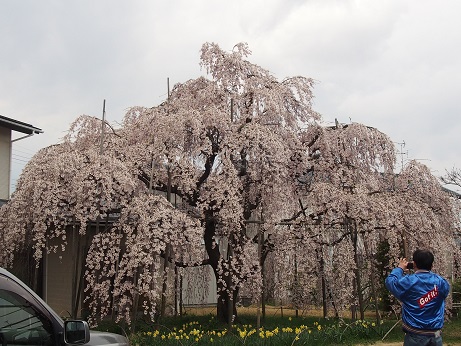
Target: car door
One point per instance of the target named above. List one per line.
(21, 322)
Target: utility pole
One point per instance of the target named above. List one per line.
(232, 110)
(168, 246)
(404, 233)
(102, 126)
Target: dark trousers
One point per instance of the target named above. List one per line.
(421, 340)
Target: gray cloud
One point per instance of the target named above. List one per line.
(392, 64)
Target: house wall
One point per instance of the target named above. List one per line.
(59, 269)
(5, 154)
(198, 286)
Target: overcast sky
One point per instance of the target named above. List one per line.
(391, 64)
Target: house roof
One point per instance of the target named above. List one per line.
(454, 194)
(19, 126)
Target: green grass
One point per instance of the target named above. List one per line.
(205, 330)
(309, 330)
(452, 331)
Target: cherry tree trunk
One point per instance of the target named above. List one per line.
(226, 310)
(226, 307)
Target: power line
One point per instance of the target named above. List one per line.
(19, 160)
(21, 156)
(17, 147)
(30, 153)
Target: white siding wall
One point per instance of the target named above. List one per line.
(5, 152)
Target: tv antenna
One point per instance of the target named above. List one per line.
(402, 153)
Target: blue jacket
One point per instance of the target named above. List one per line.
(422, 295)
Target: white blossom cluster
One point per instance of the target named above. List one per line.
(179, 184)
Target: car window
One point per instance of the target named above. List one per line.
(21, 324)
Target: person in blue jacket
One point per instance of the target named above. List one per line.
(422, 295)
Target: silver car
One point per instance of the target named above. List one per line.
(25, 319)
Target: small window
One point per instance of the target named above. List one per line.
(21, 324)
